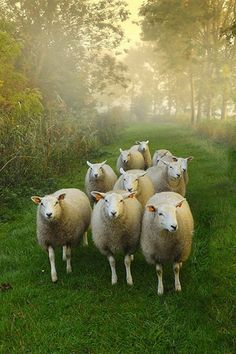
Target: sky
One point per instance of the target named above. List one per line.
(132, 31)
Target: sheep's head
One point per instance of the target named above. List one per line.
(49, 206)
(113, 202)
(142, 146)
(125, 156)
(184, 162)
(160, 154)
(96, 169)
(174, 169)
(165, 215)
(131, 179)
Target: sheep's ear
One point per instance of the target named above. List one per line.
(122, 171)
(179, 205)
(61, 196)
(121, 150)
(137, 142)
(129, 195)
(174, 158)
(103, 163)
(151, 208)
(166, 163)
(147, 142)
(89, 164)
(142, 174)
(190, 158)
(36, 199)
(98, 195)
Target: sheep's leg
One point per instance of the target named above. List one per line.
(132, 257)
(112, 262)
(85, 239)
(64, 253)
(160, 288)
(68, 259)
(51, 255)
(127, 261)
(176, 268)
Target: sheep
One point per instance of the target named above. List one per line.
(62, 219)
(136, 181)
(166, 236)
(129, 160)
(143, 148)
(160, 154)
(99, 177)
(184, 166)
(168, 177)
(116, 227)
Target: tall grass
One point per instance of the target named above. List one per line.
(45, 145)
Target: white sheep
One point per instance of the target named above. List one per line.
(116, 227)
(136, 181)
(167, 230)
(130, 160)
(168, 177)
(143, 148)
(184, 166)
(99, 177)
(62, 220)
(160, 154)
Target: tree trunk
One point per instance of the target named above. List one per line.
(223, 108)
(208, 108)
(192, 99)
(199, 108)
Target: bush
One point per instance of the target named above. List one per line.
(219, 131)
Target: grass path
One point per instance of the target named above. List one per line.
(83, 313)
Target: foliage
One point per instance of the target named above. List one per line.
(197, 52)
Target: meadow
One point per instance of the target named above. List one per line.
(83, 313)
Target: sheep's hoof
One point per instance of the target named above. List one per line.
(160, 291)
(130, 281)
(69, 270)
(178, 288)
(54, 278)
(113, 281)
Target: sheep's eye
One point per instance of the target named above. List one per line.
(41, 204)
(106, 200)
(160, 214)
(56, 203)
(121, 200)
(171, 167)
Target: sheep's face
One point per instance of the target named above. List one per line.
(125, 156)
(113, 203)
(142, 146)
(174, 169)
(165, 216)
(49, 206)
(131, 180)
(96, 170)
(184, 162)
(160, 154)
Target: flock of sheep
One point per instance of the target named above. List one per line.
(145, 206)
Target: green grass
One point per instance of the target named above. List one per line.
(83, 313)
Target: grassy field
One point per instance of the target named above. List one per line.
(83, 313)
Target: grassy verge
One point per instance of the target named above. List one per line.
(83, 313)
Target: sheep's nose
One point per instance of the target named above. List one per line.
(129, 189)
(49, 215)
(113, 213)
(178, 175)
(174, 227)
(184, 169)
(95, 175)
